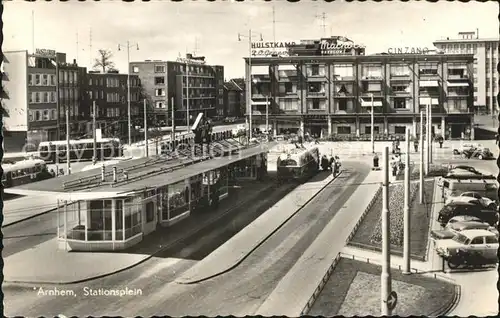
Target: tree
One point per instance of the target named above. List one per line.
(104, 62)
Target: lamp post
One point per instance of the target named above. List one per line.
(249, 79)
(128, 46)
(372, 124)
(187, 96)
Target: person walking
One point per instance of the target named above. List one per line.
(415, 144)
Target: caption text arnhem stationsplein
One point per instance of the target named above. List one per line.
(88, 292)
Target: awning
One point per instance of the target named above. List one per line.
(376, 103)
(259, 103)
(70, 196)
(429, 101)
(260, 70)
(458, 84)
(429, 84)
(287, 67)
(457, 66)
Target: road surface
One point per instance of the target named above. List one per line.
(238, 292)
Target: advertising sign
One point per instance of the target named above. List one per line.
(190, 61)
(45, 53)
(267, 49)
(339, 46)
(408, 50)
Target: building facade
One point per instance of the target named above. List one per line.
(332, 95)
(234, 98)
(37, 89)
(186, 84)
(486, 58)
(109, 92)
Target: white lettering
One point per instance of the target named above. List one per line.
(54, 292)
(118, 292)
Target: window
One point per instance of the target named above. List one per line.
(32, 97)
(52, 97)
(150, 212)
(37, 79)
(288, 104)
(37, 115)
(53, 80)
(475, 80)
(371, 71)
(90, 81)
(159, 104)
(491, 240)
(373, 87)
(376, 129)
(135, 69)
(159, 80)
(314, 69)
(90, 95)
(102, 94)
(477, 240)
(343, 130)
(221, 101)
(315, 104)
(159, 92)
(400, 88)
(343, 104)
(399, 103)
(45, 79)
(221, 91)
(65, 75)
(400, 70)
(289, 88)
(159, 68)
(316, 88)
(45, 114)
(400, 129)
(475, 88)
(31, 115)
(53, 114)
(37, 97)
(475, 70)
(30, 79)
(343, 70)
(428, 68)
(45, 97)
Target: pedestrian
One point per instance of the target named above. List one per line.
(415, 144)
(333, 165)
(440, 140)
(375, 161)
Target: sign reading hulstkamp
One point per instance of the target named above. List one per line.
(45, 53)
(271, 48)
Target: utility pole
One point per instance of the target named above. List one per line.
(385, 277)
(427, 143)
(430, 135)
(421, 186)
(372, 124)
(274, 28)
(94, 132)
(172, 139)
(267, 115)
(76, 46)
(406, 211)
(33, 33)
(187, 97)
(146, 147)
(128, 46)
(68, 152)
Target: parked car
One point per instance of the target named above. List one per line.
(466, 168)
(477, 246)
(467, 208)
(465, 147)
(452, 229)
(478, 153)
(470, 196)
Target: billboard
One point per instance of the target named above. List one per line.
(268, 49)
(45, 53)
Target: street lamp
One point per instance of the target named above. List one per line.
(128, 46)
(249, 79)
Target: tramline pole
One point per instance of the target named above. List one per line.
(128, 46)
(385, 276)
(94, 131)
(421, 186)
(146, 146)
(406, 211)
(68, 148)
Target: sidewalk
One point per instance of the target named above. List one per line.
(294, 291)
(17, 210)
(245, 241)
(56, 266)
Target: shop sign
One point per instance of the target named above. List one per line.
(268, 49)
(339, 46)
(45, 53)
(408, 50)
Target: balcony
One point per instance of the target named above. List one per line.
(313, 94)
(458, 76)
(289, 95)
(458, 92)
(400, 77)
(372, 77)
(341, 78)
(428, 75)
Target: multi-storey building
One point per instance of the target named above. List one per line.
(109, 91)
(486, 59)
(186, 84)
(327, 95)
(234, 98)
(31, 90)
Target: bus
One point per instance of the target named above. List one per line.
(83, 149)
(486, 187)
(23, 172)
(298, 163)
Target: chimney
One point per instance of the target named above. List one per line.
(189, 56)
(103, 171)
(74, 61)
(114, 174)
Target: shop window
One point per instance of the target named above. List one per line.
(376, 129)
(178, 197)
(400, 129)
(343, 130)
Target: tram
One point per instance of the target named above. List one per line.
(23, 172)
(83, 149)
(298, 164)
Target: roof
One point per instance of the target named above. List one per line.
(154, 173)
(476, 232)
(232, 86)
(466, 40)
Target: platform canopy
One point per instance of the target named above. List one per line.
(69, 196)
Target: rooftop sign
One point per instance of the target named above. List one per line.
(45, 53)
(267, 49)
(190, 61)
(408, 50)
(340, 46)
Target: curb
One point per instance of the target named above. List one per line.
(148, 257)
(321, 285)
(365, 212)
(263, 240)
(29, 218)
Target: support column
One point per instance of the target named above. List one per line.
(443, 127)
(386, 126)
(472, 127)
(357, 127)
(329, 119)
(275, 128)
(414, 127)
(113, 220)
(301, 127)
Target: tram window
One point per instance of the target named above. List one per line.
(52, 147)
(44, 148)
(446, 184)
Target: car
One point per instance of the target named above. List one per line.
(464, 147)
(482, 243)
(451, 229)
(479, 153)
(463, 218)
(466, 168)
(470, 196)
(470, 208)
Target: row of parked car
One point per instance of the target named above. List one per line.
(469, 221)
(474, 151)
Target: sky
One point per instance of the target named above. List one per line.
(164, 29)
